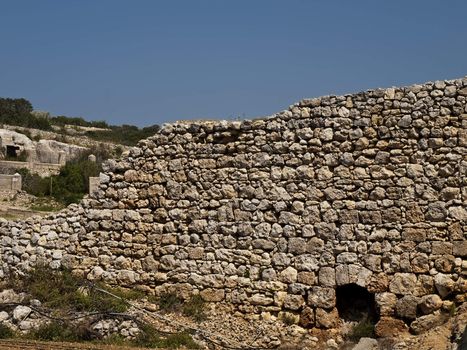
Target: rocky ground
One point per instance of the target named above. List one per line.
(224, 328)
(21, 205)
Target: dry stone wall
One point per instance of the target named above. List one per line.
(274, 214)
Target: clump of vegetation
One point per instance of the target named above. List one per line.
(63, 291)
(70, 185)
(169, 302)
(194, 307)
(44, 207)
(151, 338)
(123, 134)
(177, 340)
(362, 329)
(62, 120)
(18, 111)
(82, 332)
(60, 289)
(63, 331)
(6, 332)
(452, 310)
(287, 318)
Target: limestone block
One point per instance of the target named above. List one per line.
(297, 246)
(322, 297)
(403, 283)
(406, 307)
(439, 248)
(306, 277)
(436, 212)
(388, 327)
(288, 275)
(430, 303)
(307, 317)
(414, 234)
(264, 244)
(386, 303)
(444, 284)
(427, 322)
(326, 319)
(327, 277)
(445, 263)
(268, 275)
(459, 248)
(261, 299)
(21, 312)
(293, 302)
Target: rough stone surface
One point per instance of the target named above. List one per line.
(21, 312)
(430, 303)
(366, 189)
(388, 327)
(366, 344)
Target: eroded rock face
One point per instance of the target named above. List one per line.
(271, 215)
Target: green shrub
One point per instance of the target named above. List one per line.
(288, 319)
(169, 302)
(69, 186)
(6, 332)
(128, 135)
(175, 341)
(17, 111)
(114, 339)
(129, 294)
(452, 310)
(78, 121)
(362, 329)
(151, 338)
(63, 331)
(63, 290)
(34, 184)
(195, 308)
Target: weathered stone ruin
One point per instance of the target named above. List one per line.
(44, 157)
(340, 200)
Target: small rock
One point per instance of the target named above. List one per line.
(430, 303)
(390, 327)
(26, 325)
(425, 323)
(4, 316)
(21, 312)
(35, 303)
(332, 344)
(366, 344)
(9, 296)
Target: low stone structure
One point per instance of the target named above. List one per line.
(42, 169)
(10, 183)
(44, 157)
(361, 193)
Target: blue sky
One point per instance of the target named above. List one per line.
(148, 62)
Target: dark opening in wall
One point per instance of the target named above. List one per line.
(12, 151)
(355, 303)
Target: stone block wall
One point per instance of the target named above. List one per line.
(274, 214)
(10, 183)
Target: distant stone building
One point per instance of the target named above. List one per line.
(43, 156)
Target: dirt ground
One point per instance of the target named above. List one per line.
(35, 345)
